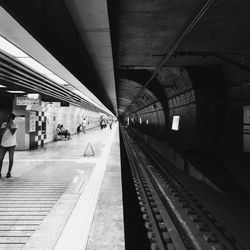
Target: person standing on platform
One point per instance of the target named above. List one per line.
(110, 124)
(102, 124)
(65, 133)
(8, 142)
(79, 129)
(84, 124)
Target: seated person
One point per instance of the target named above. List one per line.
(65, 132)
(58, 130)
(59, 133)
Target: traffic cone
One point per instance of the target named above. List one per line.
(88, 149)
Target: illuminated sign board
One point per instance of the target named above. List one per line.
(175, 123)
(25, 100)
(33, 96)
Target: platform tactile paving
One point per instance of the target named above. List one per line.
(23, 206)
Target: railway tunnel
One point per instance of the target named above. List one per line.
(174, 73)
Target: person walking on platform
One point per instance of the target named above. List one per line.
(79, 129)
(8, 142)
(84, 124)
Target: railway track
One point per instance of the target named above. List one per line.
(174, 218)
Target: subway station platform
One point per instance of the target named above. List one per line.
(59, 199)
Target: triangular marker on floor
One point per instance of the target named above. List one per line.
(87, 153)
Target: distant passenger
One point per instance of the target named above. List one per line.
(84, 124)
(102, 124)
(79, 129)
(58, 130)
(8, 142)
(59, 135)
(110, 124)
(65, 132)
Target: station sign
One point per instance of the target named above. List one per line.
(25, 100)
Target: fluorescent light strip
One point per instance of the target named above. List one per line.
(34, 65)
(10, 48)
(48, 92)
(79, 93)
(15, 91)
(18, 54)
(57, 79)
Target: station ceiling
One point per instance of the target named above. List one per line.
(97, 40)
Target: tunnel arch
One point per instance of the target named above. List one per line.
(146, 112)
(174, 89)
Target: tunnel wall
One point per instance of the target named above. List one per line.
(174, 157)
(181, 97)
(196, 95)
(150, 105)
(210, 103)
(209, 87)
(176, 96)
(223, 159)
(238, 96)
(233, 156)
(150, 120)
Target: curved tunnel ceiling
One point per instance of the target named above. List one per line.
(147, 30)
(127, 92)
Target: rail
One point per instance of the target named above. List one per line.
(175, 219)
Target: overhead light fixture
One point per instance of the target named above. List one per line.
(10, 48)
(2, 86)
(34, 65)
(79, 93)
(18, 54)
(57, 79)
(15, 91)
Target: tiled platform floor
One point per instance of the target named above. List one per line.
(58, 199)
